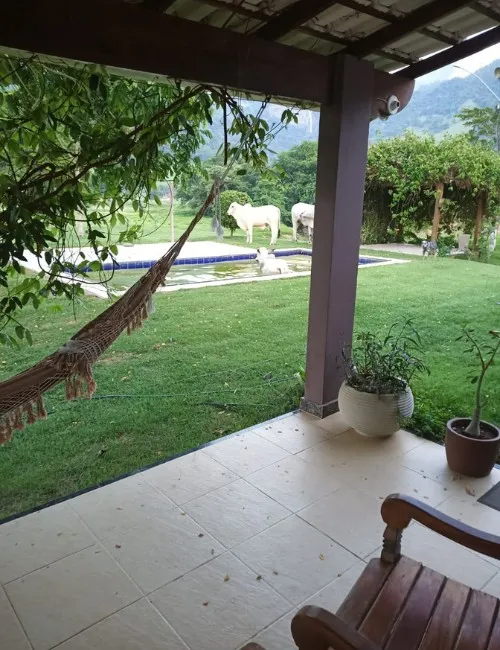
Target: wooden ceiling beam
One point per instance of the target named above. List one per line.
(453, 54)
(125, 36)
(292, 17)
(412, 22)
(389, 17)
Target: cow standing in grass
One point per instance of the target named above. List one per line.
(247, 217)
(303, 213)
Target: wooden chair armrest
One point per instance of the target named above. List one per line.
(398, 511)
(314, 628)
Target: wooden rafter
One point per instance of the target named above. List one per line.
(489, 12)
(413, 21)
(292, 17)
(453, 54)
(321, 35)
(389, 17)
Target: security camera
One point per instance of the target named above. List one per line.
(393, 105)
(389, 106)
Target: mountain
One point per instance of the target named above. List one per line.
(432, 110)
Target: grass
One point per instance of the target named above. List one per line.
(157, 229)
(213, 361)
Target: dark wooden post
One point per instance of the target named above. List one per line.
(342, 153)
(437, 210)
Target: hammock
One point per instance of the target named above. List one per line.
(21, 397)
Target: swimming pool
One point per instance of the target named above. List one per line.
(214, 269)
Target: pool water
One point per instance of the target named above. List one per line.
(191, 274)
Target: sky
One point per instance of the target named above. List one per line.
(471, 63)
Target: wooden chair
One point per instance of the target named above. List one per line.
(399, 604)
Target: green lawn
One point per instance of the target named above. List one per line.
(212, 361)
(157, 229)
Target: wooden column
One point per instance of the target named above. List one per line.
(479, 217)
(342, 154)
(437, 211)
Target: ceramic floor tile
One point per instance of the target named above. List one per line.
(189, 476)
(60, 600)
(381, 480)
(493, 586)
(443, 555)
(467, 509)
(278, 636)
(220, 605)
(137, 627)
(28, 543)
(294, 483)
(430, 460)
(114, 508)
(235, 512)
(294, 558)
(351, 449)
(333, 424)
(245, 453)
(350, 517)
(161, 550)
(12, 636)
(333, 595)
(292, 434)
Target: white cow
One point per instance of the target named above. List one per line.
(247, 217)
(270, 264)
(303, 213)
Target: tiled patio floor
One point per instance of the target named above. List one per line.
(224, 544)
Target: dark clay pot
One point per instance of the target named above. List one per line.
(470, 456)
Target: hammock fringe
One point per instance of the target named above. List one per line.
(21, 397)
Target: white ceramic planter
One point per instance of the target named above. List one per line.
(377, 416)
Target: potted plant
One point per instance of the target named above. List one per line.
(376, 393)
(472, 445)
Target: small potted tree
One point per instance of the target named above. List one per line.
(472, 445)
(376, 393)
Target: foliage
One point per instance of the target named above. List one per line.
(226, 198)
(384, 364)
(483, 125)
(77, 145)
(298, 167)
(485, 353)
(445, 244)
(408, 168)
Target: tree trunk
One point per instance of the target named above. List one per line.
(437, 211)
(479, 217)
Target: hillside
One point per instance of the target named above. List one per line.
(431, 110)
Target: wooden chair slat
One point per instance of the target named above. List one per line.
(494, 642)
(477, 622)
(391, 598)
(410, 628)
(445, 624)
(361, 597)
